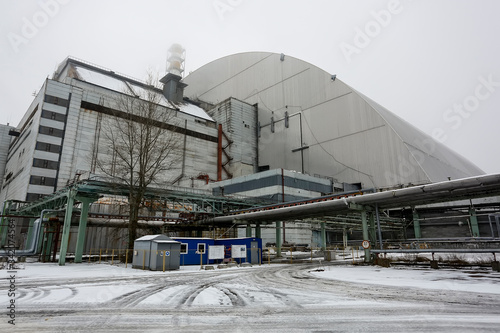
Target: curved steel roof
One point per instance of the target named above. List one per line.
(333, 130)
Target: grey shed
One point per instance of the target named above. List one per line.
(152, 250)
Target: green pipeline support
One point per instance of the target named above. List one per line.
(473, 222)
(323, 236)
(416, 224)
(364, 222)
(31, 232)
(66, 227)
(4, 224)
(82, 228)
(258, 231)
(278, 238)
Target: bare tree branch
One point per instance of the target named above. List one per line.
(143, 145)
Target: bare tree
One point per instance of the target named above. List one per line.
(143, 144)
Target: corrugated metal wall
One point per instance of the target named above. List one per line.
(239, 123)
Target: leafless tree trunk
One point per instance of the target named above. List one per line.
(143, 146)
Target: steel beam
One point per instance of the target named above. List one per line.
(82, 228)
(67, 225)
(378, 226)
(371, 229)
(416, 224)
(4, 224)
(278, 238)
(258, 231)
(473, 222)
(364, 222)
(323, 236)
(31, 232)
(249, 230)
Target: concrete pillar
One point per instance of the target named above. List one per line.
(416, 224)
(249, 230)
(364, 223)
(278, 238)
(323, 236)
(473, 222)
(66, 227)
(258, 231)
(82, 229)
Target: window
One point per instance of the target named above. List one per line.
(48, 147)
(40, 180)
(33, 196)
(184, 248)
(201, 248)
(56, 100)
(46, 164)
(53, 115)
(51, 131)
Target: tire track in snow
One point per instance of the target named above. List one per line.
(235, 298)
(188, 298)
(74, 292)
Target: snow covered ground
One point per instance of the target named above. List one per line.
(270, 298)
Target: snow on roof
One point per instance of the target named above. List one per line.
(188, 238)
(156, 238)
(194, 110)
(166, 241)
(120, 85)
(101, 80)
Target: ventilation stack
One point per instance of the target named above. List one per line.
(173, 88)
(175, 59)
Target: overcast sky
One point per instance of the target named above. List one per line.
(434, 63)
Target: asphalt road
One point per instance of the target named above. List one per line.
(276, 298)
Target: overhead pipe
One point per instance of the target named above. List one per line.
(390, 198)
(35, 241)
(123, 223)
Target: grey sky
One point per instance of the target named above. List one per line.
(433, 63)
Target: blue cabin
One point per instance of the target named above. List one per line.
(194, 251)
(208, 251)
(248, 249)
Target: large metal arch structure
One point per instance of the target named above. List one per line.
(313, 122)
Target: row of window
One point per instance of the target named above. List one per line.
(45, 164)
(34, 196)
(40, 180)
(51, 131)
(53, 115)
(49, 147)
(56, 100)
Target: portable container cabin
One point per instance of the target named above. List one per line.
(240, 250)
(156, 252)
(194, 251)
(207, 251)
